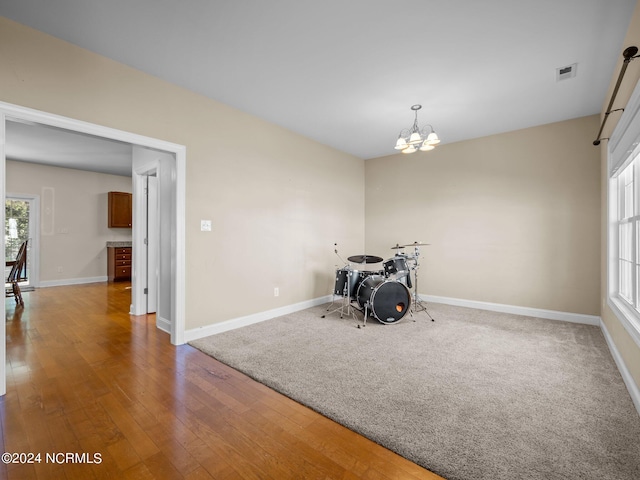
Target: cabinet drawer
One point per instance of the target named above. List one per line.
(120, 256)
(122, 272)
(123, 251)
(123, 263)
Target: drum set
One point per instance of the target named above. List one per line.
(384, 294)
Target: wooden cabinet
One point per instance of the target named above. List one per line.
(120, 209)
(119, 263)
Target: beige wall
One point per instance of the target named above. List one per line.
(628, 349)
(78, 215)
(511, 218)
(278, 201)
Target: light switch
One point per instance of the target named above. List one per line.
(205, 225)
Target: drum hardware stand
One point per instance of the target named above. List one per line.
(345, 307)
(345, 303)
(417, 305)
(346, 296)
(366, 314)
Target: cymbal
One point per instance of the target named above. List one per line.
(416, 244)
(365, 259)
(397, 247)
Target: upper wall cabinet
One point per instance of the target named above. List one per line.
(120, 210)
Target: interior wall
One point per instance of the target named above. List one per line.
(511, 218)
(277, 201)
(629, 350)
(76, 208)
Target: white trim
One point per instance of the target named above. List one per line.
(72, 281)
(623, 313)
(515, 310)
(201, 332)
(632, 388)
(239, 322)
(180, 303)
(3, 331)
(15, 112)
(163, 324)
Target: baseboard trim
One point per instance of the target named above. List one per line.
(515, 310)
(201, 332)
(632, 388)
(163, 324)
(634, 391)
(71, 281)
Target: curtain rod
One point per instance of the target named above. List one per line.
(628, 54)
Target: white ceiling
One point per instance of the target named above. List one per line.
(28, 142)
(346, 73)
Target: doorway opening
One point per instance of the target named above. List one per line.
(176, 214)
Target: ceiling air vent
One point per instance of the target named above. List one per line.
(564, 73)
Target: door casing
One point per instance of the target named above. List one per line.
(10, 112)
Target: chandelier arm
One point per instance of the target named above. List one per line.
(405, 133)
(415, 138)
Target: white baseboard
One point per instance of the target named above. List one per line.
(196, 333)
(163, 324)
(71, 281)
(633, 389)
(515, 310)
(232, 324)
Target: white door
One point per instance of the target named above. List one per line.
(160, 165)
(152, 243)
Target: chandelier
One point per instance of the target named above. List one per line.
(413, 139)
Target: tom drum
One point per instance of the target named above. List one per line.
(396, 265)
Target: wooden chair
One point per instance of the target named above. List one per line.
(17, 274)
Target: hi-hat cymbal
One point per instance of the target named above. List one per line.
(397, 247)
(365, 259)
(416, 244)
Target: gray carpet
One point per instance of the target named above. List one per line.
(474, 395)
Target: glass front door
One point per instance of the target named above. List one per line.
(17, 229)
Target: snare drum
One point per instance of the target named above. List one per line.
(348, 281)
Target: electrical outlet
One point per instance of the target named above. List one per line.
(205, 225)
(276, 292)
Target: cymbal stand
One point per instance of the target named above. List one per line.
(346, 294)
(418, 305)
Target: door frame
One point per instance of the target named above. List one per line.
(34, 233)
(10, 112)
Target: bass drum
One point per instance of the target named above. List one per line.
(387, 300)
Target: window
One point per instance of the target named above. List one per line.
(628, 226)
(623, 265)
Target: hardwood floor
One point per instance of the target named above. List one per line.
(85, 378)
